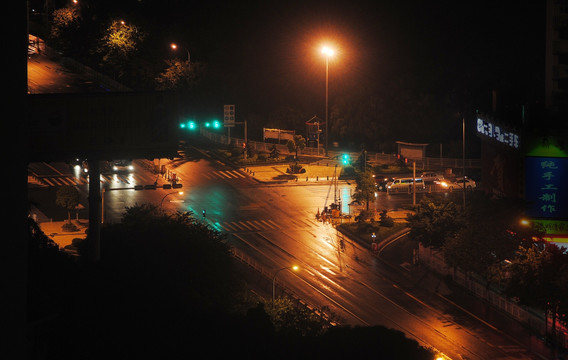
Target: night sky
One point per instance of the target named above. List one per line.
(270, 48)
(265, 53)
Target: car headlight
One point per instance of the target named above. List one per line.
(115, 168)
(130, 167)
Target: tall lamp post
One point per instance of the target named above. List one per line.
(295, 268)
(327, 52)
(174, 47)
(171, 193)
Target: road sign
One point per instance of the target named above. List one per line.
(229, 116)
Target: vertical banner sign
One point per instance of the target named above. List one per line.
(229, 116)
(547, 187)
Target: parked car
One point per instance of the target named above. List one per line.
(430, 177)
(458, 184)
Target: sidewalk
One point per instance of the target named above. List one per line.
(54, 230)
(276, 174)
(426, 280)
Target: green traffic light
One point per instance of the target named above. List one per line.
(189, 125)
(345, 159)
(216, 124)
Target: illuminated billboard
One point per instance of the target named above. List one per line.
(498, 133)
(546, 187)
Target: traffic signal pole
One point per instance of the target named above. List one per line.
(94, 238)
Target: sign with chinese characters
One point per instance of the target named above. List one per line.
(546, 187)
(498, 133)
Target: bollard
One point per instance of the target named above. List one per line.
(317, 178)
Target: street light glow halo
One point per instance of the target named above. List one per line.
(328, 51)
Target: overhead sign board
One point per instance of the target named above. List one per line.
(229, 116)
(278, 134)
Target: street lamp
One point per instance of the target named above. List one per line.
(173, 192)
(174, 47)
(295, 268)
(328, 52)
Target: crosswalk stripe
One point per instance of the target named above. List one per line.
(249, 225)
(230, 227)
(56, 181)
(225, 174)
(240, 226)
(237, 174)
(48, 181)
(257, 224)
(269, 224)
(274, 224)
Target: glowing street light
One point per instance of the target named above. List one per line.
(171, 193)
(294, 268)
(174, 47)
(328, 52)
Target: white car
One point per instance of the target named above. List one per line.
(122, 166)
(430, 177)
(458, 184)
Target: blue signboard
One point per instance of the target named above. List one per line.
(547, 187)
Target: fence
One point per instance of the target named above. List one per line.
(372, 157)
(534, 319)
(279, 285)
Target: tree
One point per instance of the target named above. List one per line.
(538, 277)
(274, 152)
(385, 220)
(434, 222)
(119, 42)
(179, 75)
(362, 163)
(365, 189)
(298, 143)
(68, 197)
(288, 317)
(64, 26)
(490, 235)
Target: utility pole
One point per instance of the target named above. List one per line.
(94, 238)
(463, 159)
(414, 183)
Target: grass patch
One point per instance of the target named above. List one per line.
(366, 229)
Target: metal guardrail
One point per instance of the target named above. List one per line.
(245, 259)
(372, 157)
